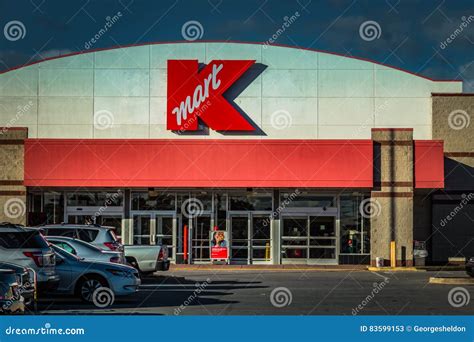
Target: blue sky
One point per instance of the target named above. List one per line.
(411, 34)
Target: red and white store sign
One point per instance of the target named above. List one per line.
(194, 94)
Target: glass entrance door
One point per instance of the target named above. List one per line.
(309, 239)
(200, 238)
(164, 233)
(322, 239)
(250, 241)
(155, 229)
(239, 226)
(261, 239)
(142, 230)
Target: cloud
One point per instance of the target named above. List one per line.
(52, 53)
(467, 74)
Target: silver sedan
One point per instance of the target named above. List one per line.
(85, 250)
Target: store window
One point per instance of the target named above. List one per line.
(153, 200)
(54, 207)
(355, 229)
(221, 210)
(250, 202)
(45, 208)
(95, 199)
(295, 200)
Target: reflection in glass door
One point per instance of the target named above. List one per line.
(164, 233)
(200, 238)
(261, 239)
(295, 238)
(250, 238)
(322, 238)
(142, 230)
(240, 238)
(309, 239)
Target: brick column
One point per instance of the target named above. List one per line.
(12, 192)
(392, 196)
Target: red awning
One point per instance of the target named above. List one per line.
(199, 163)
(429, 164)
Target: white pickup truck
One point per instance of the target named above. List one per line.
(147, 259)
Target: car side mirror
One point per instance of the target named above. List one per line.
(59, 260)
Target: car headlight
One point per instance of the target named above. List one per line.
(120, 273)
(471, 259)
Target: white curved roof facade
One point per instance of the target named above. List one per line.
(296, 94)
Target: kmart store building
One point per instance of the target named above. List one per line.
(301, 156)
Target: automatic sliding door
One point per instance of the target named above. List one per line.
(294, 243)
(309, 239)
(142, 230)
(261, 238)
(200, 238)
(240, 238)
(164, 233)
(322, 239)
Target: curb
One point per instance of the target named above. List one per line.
(443, 268)
(452, 281)
(395, 269)
(268, 269)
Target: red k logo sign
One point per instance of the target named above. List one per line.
(193, 94)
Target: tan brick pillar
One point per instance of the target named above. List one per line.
(12, 191)
(392, 196)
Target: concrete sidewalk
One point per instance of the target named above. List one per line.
(276, 268)
(309, 268)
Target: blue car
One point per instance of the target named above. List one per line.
(82, 278)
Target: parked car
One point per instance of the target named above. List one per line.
(470, 267)
(86, 250)
(147, 259)
(10, 299)
(28, 248)
(25, 280)
(101, 236)
(81, 278)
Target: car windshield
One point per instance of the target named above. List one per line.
(64, 254)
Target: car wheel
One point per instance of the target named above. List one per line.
(87, 286)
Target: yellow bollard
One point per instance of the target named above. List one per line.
(267, 251)
(393, 254)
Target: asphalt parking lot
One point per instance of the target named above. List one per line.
(297, 293)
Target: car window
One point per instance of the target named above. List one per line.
(64, 254)
(88, 246)
(67, 247)
(112, 235)
(22, 240)
(88, 235)
(61, 232)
